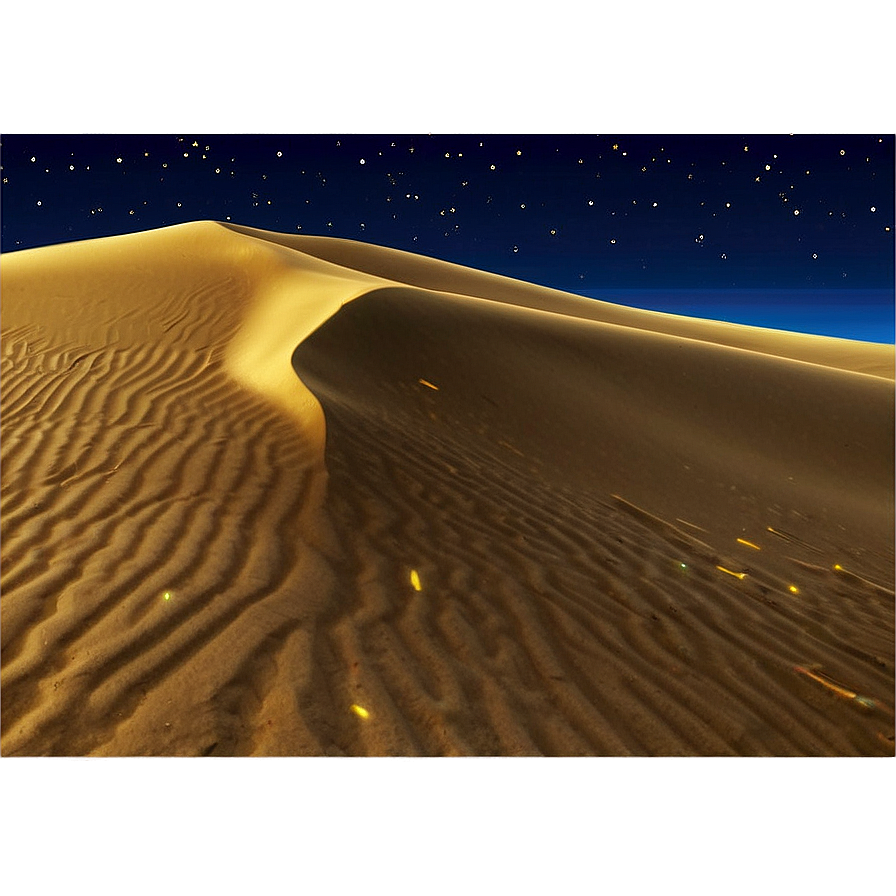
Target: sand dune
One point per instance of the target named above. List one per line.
(280, 495)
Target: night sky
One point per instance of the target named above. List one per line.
(643, 216)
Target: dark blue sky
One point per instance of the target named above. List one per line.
(573, 212)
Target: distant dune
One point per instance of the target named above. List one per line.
(285, 495)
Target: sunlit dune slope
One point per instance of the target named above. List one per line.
(430, 273)
(271, 494)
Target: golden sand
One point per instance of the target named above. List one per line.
(283, 495)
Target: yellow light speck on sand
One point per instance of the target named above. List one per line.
(816, 674)
(415, 580)
(737, 575)
(428, 384)
(749, 544)
(678, 519)
(510, 447)
(793, 589)
(359, 711)
(166, 595)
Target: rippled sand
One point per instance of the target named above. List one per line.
(278, 495)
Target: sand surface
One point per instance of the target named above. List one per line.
(286, 495)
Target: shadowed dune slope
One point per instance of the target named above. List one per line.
(606, 527)
(280, 495)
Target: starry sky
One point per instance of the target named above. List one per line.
(637, 216)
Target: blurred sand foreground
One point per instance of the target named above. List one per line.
(286, 495)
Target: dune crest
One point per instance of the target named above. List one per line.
(288, 495)
(441, 276)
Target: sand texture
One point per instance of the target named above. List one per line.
(285, 495)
